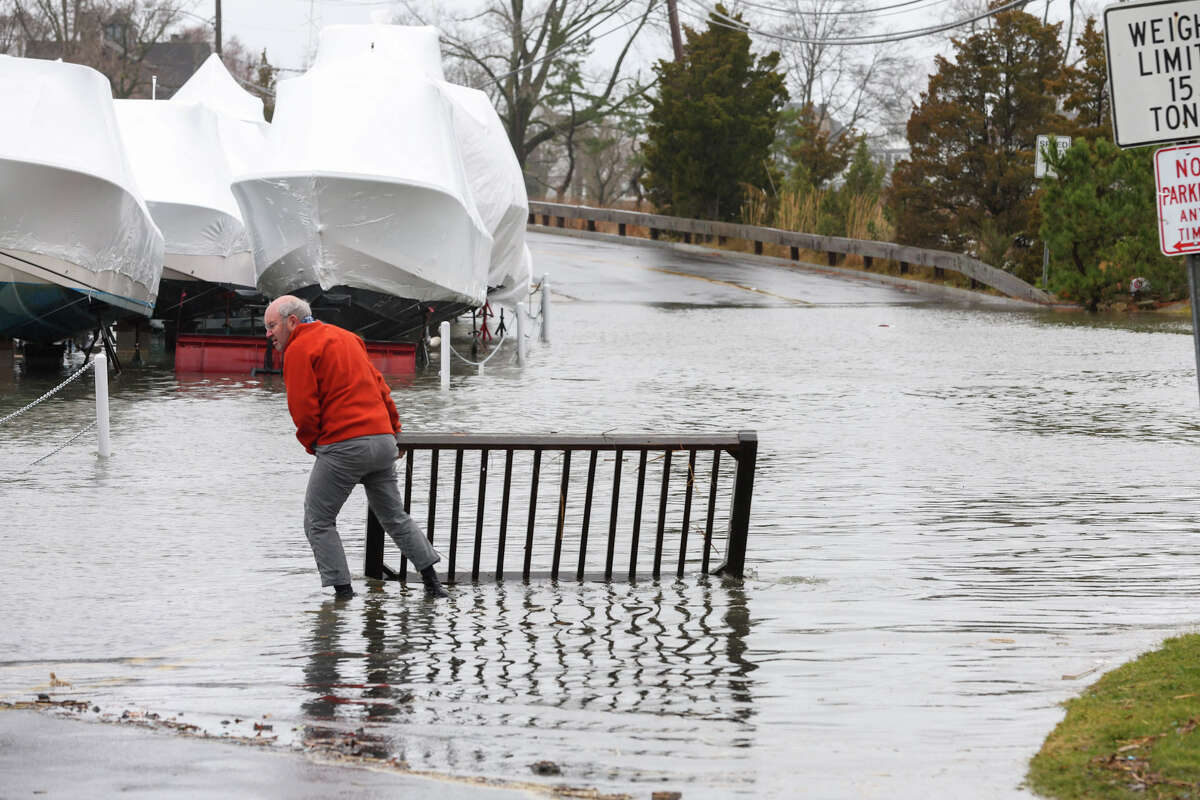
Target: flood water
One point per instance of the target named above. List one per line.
(962, 516)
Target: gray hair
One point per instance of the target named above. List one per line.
(293, 305)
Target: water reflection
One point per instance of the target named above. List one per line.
(460, 684)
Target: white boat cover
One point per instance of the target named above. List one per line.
(498, 188)
(362, 182)
(77, 219)
(493, 174)
(213, 86)
(181, 169)
(240, 120)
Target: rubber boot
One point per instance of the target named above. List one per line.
(343, 591)
(433, 587)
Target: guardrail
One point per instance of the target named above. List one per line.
(833, 246)
(572, 522)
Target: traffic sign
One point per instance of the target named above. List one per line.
(1153, 51)
(1040, 168)
(1177, 185)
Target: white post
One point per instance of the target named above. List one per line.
(100, 371)
(545, 309)
(153, 87)
(521, 323)
(444, 331)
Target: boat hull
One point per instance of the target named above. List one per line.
(80, 233)
(393, 238)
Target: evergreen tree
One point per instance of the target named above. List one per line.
(817, 156)
(1084, 88)
(711, 127)
(968, 184)
(1101, 226)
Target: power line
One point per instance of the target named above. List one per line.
(796, 11)
(850, 41)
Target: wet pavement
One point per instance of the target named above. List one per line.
(43, 756)
(961, 517)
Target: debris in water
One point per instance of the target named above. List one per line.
(545, 768)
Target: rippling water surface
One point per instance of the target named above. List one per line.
(961, 517)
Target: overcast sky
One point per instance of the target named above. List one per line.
(283, 26)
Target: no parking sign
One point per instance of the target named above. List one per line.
(1177, 181)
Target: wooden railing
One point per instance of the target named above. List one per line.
(835, 247)
(562, 549)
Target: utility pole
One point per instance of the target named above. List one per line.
(676, 37)
(217, 25)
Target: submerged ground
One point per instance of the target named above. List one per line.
(962, 515)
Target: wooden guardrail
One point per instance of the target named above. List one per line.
(567, 552)
(833, 246)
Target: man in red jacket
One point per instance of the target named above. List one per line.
(345, 416)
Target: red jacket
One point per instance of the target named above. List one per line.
(333, 390)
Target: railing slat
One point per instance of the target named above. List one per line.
(508, 459)
(562, 515)
(408, 473)
(637, 515)
(537, 468)
(662, 514)
(712, 506)
(612, 517)
(479, 507)
(458, 462)
(587, 516)
(687, 512)
(433, 476)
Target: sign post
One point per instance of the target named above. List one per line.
(1042, 170)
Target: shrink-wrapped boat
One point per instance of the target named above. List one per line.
(361, 202)
(181, 169)
(77, 242)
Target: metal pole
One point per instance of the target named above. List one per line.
(521, 323)
(444, 332)
(153, 87)
(100, 372)
(1045, 266)
(545, 309)
(1193, 272)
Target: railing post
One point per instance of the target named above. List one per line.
(521, 323)
(444, 366)
(545, 309)
(739, 517)
(373, 558)
(100, 373)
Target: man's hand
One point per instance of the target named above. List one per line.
(400, 449)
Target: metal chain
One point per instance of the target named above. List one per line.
(49, 394)
(78, 433)
(495, 349)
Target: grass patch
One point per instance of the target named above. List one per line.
(1134, 734)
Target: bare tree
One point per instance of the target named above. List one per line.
(530, 58)
(114, 38)
(860, 87)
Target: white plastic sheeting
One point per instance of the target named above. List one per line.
(362, 181)
(240, 120)
(70, 211)
(498, 189)
(179, 165)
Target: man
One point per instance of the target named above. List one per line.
(344, 415)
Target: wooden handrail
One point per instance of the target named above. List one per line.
(905, 255)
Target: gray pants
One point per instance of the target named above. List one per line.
(371, 461)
